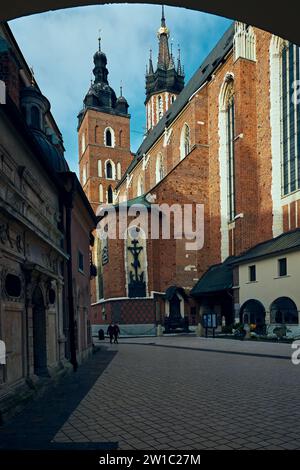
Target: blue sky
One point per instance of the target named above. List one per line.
(60, 47)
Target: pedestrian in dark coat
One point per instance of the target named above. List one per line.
(111, 332)
(116, 333)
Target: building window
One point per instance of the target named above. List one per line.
(35, 117)
(96, 134)
(119, 171)
(140, 186)
(13, 285)
(252, 273)
(159, 168)
(230, 151)
(100, 168)
(109, 173)
(282, 267)
(160, 107)
(173, 98)
(109, 137)
(80, 262)
(110, 195)
(290, 119)
(284, 311)
(120, 138)
(185, 142)
(100, 193)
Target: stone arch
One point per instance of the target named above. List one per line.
(284, 311)
(253, 311)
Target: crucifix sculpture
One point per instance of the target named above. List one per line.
(135, 250)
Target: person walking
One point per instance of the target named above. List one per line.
(110, 332)
(116, 333)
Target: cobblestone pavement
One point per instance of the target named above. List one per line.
(219, 394)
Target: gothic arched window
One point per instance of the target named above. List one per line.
(160, 173)
(120, 138)
(140, 186)
(110, 197)
(230, 125)
(185, 142)
(290, 118)
(35, 117)
(109, 137)
(109, 172)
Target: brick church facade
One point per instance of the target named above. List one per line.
(227, 140)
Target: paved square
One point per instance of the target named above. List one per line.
(172, 393)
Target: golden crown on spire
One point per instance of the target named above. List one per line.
(163, 30)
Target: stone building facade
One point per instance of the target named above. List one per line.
(229, 142)
(45, 222)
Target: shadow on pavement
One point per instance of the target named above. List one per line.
(38, 423)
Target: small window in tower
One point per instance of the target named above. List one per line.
(160, 107)
(100, 193)
(120, 138)
(35, 117)
(109, 170)
(173, 98)
(96, 133)
(119, 171)
(99, 168)
(108, 138)
(110, 195)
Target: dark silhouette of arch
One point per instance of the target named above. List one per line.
(110, 195)
(284, 310)
(109, 170)
(283, 22)
(254, 312)
(108, 138)
(39, 333)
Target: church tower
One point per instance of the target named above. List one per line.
(164, 84)
(103, 136)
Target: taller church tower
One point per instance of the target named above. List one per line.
(163, 85)
(103, 136)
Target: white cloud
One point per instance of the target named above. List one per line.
(60, 47)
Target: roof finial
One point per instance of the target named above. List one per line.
(99, 40)
(121, 88)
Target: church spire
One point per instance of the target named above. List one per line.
(163, 35)
(151, 69)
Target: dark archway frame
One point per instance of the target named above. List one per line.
(268, 15)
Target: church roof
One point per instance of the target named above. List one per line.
(289, 241)
(199, 78)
